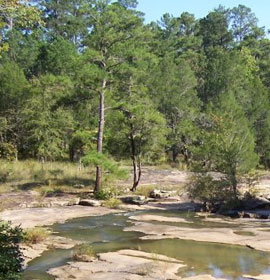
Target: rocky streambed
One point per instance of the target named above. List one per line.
(155, 244)
(162, 239)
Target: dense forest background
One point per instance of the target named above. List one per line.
(77, 74)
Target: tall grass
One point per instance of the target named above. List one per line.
(30, 174)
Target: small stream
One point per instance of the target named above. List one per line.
(105, 233)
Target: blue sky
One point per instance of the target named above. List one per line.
(154, 9)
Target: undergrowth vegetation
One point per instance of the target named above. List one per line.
(35, 235)
(10, 254)
(113, 203)
(83, 252)
(48, 178)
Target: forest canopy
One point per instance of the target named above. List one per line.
(88, 79)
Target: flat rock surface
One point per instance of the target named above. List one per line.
(32, 251)
(155, 218)
(28, 217)
(261, 277)
(124, 264)
(259, 241)
(203, 277)
(152, 176)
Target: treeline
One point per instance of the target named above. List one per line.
(76, 74)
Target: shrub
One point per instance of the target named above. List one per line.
(210, 190)
(40, 174)
(8, 151)
(113, 203)
(105, 194)
(56, 173)
(10, 255)
(4, 176)
(83, 252)
(145, 190)
(35, 235)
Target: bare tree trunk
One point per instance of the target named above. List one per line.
(100, 135)
(234, 184)
(80, 163)
(137, 171)
(174, 154)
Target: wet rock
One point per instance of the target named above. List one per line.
(160, 194)
(33, 251)
(49, 216)
(90, 202)
(260, 277)
(124, 264)
(202, 277)
(134, 199)
(83, 258)
(156, 218)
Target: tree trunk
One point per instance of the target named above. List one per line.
(137, 170)
(234, 184)
(100, 135)
(174, 154)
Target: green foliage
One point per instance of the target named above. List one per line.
(208, 189)
(105, 194)
(168, 88)
(113, 203)
(7, 151)
(19, 14)
(10, 254)
(145, 190)
(94, 158)
(82, 142)
(214, 29)
(47, 128)
(227, 145)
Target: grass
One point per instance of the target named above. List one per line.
(82, 251)
(145, 190)
(35, 235)
(112, 203)
(30, 174)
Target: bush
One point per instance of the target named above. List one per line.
(40, 174)
(105, 194)
(4, 176)
(8, 151)
(10, 254)
(83, 252)
(210, 190)
(145, 190)
(56, 173)
(113, 203)
(35, 235)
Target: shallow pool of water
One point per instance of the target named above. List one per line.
(106, 234)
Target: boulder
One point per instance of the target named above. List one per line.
(160, 194)
(250, 203)
(90, 202)
(83, 258)
(134, 199)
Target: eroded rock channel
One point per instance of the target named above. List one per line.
(159, 245)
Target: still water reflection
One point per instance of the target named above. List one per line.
(106, 234)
